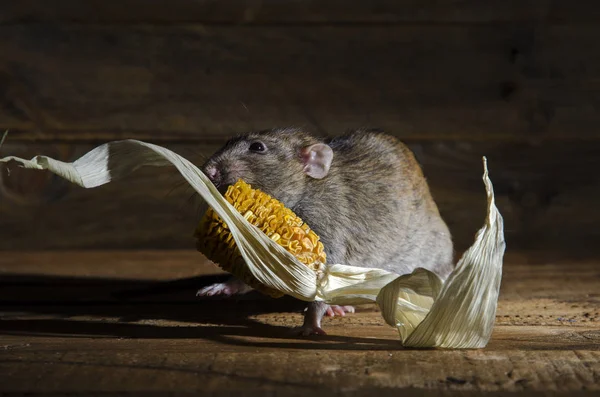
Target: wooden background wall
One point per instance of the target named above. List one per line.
(515, 80)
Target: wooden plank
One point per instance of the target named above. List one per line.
(250, 12)
(545, 192)
(275, 11)
(181, 366)
(545, 340)
(199, 83)
(295, 367)
(535, 289)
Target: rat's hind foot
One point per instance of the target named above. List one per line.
(233, 286)
(315, 312)
(312, 319)
(334, 310)
(307, 330)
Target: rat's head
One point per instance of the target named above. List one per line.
(279, 162)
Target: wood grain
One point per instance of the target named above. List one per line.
(200, 83)
(183, 364)
(168, 277)
(545, 341)
(306, 11)
(546, 193)
(262, 12)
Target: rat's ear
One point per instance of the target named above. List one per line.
(317, 160)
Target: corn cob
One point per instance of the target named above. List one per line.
(279, 223)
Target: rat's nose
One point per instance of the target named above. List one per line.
(213, 174)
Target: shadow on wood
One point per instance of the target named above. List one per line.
(214, 319)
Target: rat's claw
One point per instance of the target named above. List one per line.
(339, 310)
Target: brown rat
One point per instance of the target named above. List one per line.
(363, 193)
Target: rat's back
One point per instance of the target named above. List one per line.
(377, 208)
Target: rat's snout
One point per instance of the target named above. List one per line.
(213, 173)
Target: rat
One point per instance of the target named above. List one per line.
(363, 193)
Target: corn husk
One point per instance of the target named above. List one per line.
(428, 312)
(279, 223)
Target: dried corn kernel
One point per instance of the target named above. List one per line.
(278, 222)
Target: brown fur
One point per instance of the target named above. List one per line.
(373, 209)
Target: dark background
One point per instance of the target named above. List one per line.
(516, 81)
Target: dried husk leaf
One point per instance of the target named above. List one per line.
(457, 313)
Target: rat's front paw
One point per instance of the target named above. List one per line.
(334, 310)
(216, 289)
(228, 288)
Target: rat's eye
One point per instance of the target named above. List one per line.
(258, 147)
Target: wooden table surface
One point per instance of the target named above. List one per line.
(128, 322)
